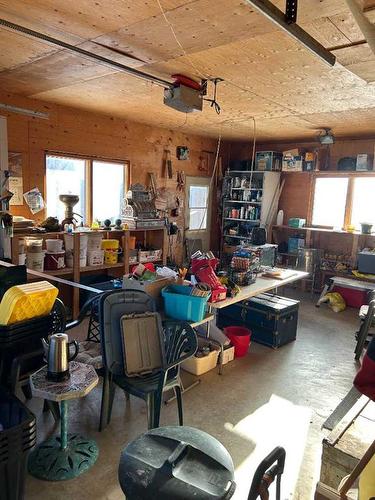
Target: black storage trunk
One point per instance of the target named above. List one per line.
(272, 319)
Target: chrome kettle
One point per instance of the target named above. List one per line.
(57, 354)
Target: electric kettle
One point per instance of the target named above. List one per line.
(57, 354)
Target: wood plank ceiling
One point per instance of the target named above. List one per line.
(266, 74)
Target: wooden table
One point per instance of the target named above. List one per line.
(261, 285)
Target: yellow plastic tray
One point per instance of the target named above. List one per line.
(22, 302)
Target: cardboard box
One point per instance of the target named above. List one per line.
(309, 162)
(292, 163)
(363, 163)
(296, 222)
(228, 355)
(268, 160)
(294, 244)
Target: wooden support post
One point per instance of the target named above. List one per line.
(126, 249)
(76, 272)
(165, 247)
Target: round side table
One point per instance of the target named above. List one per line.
(68, 455)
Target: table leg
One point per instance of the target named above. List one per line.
(64, 425)
(65, 456)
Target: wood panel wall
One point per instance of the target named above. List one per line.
(74, 131)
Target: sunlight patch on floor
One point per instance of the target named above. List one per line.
(277, 423)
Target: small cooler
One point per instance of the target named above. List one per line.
(272, 319)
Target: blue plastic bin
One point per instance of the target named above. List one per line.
(182, 306)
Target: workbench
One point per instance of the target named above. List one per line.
(261, 285)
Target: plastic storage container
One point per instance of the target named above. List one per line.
(94, 241)
(240, 338)
(69, 243)
(95, 257)
(27, 301)
(179, 304)
(17, 438)
(198, 366)
(54, 245)
(54, 260)
(35, 261)
(111, 251)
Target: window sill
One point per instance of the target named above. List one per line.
(322, 230)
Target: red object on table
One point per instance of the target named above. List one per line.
(240, 339)
(199, 263)
(148, 265)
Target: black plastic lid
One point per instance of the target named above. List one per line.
(176, 463)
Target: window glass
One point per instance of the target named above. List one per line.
(363, 208)
(198, 196)
(329, 201)
(198, 219)
(65, 176)
(108, 181)
(198, 200)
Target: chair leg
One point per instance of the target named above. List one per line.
(105, 402)
(26, 389)
(112, 390)
(150, 402)
(179, 404)
(158, 398)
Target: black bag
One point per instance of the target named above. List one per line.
(259, 236)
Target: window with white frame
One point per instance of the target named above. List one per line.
(340, 201)
(198, 207)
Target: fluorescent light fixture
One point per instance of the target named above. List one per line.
(23, 111)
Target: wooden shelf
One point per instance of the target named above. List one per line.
(246, 172)
(243, 220)
(247, 202)
(60, 272)
(332, 173)
(101, 267)
(150, 236)
(145, 229)
(238, 237)
(322, 230)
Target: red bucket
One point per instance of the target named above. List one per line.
(240, 339)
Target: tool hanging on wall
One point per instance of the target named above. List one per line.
(152, 184)
(180, 180)
(168, 163)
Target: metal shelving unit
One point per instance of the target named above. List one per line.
(258, 189)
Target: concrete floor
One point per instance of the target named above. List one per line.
(265, 399)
